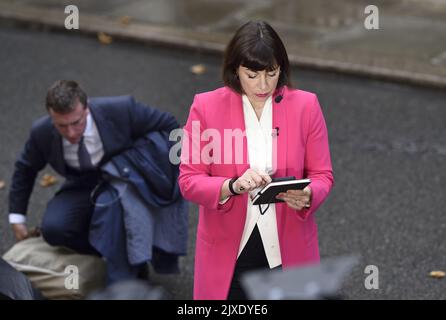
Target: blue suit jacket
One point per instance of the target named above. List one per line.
(142, 193)
(120, 122)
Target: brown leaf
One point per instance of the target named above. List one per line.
(2, 184)
(104, 38)
(437, 274)
(48, 180)
(198, 69)
(125, 20)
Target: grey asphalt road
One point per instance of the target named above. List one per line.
(388, 146)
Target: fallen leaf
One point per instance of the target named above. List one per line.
(125, 20)
(104, 38)
(48, 180)
(198, 69)
(2, 184)
(437, 274)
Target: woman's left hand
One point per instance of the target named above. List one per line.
(297, 199)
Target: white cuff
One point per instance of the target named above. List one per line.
(16, 218)
(224, 201)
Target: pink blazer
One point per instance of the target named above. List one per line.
(303, 151)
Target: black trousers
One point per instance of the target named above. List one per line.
(252, 257)
(66, 221)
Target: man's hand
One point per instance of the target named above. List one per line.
(21, 232)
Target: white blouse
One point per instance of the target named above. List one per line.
(260, 146)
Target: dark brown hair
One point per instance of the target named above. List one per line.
(258, 47)
(63, 95)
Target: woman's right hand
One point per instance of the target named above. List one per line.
(251, 180)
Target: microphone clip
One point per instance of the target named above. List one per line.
(275, 132)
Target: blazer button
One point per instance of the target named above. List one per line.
(125, 172)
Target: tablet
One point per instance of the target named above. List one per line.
(270, 191)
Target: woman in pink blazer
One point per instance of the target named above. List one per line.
(236, 138)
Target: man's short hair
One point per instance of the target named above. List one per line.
(63, 96)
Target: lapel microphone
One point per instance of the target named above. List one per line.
(279, 96)
(277, 99)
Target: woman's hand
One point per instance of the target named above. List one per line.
(251, 180)
(297, 199)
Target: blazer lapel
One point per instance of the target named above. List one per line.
(105, 127)
(56, 158)
(280, 137)
(238, 122)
